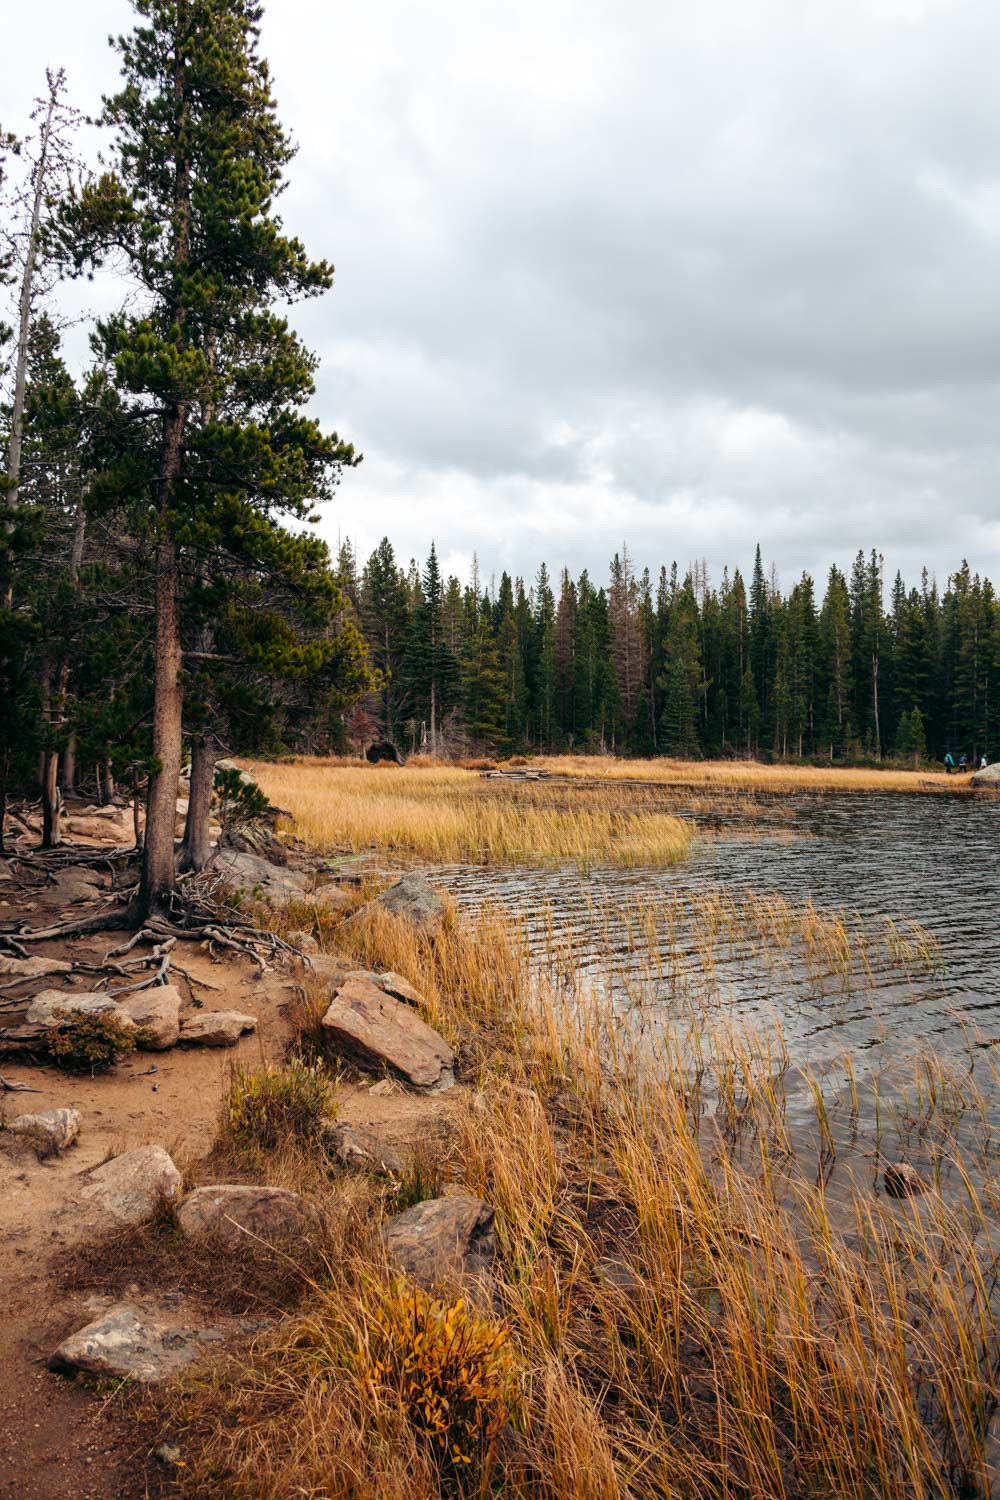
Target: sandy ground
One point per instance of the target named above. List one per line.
(58, 1439)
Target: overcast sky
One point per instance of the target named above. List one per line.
(688, 275)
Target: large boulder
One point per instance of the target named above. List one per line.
(53, 1007)
(127, 1345)
(50, 1131)
(415, 899)
(129, 1189)
(31, 968)
(157, 1010)
(443, 1239)
(245, 871)
(215, 1028)
(365, 1023)
(988, 776)
(239, 1214)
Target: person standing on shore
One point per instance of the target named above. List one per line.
(949, 762)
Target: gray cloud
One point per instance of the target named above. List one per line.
(691, 275)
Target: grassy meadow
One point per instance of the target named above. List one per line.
(690, 1298)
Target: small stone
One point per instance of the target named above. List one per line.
(361, 1150)
(620, 1277)
(50, 1131)
(157, 1011)
(384, 1089)
(443, 1239)
(900, 1180)
(169, 1455)
(130, 1188)
(303, 941)
(215, 1028)
(238, 1214)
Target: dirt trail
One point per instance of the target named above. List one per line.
(59, 1440)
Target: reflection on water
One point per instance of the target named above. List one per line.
(927, 860)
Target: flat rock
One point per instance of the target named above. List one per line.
(361, 1150)
(49, 1131)
(31, 968)
(303, 941)
(400, 988)
(215, 1028)
(234, 1213)
(158, 1011)
(988, 776)
(414, 898)
(77, 875)
(69, 892)
(130, 1188)
(44, 1008)
(365, 1023)
(251, 872)
(127, 1346)
(327, 970)
(443, 1239)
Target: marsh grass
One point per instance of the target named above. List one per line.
(749, 776)
(445, 813)
(696, 1299)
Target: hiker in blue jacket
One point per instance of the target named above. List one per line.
(949, 763)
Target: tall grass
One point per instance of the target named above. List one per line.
(697, 1300)
(750, 775)
(450, 814)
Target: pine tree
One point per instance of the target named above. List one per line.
(211, 378)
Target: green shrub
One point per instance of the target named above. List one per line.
(92, 1043)
(266, 1106)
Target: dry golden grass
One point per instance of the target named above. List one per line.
(691, 1306)
(444, 813)
(736, 775)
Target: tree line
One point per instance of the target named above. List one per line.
(668, 664)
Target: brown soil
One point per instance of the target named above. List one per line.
(60, 1440)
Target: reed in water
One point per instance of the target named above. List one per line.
(692, 1296)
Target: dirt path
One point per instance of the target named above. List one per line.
(59, 1440)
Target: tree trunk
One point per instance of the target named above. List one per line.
(68, 778)
(196, 850)
(24, 318)
(107, 784)
(158, 865)
(51, 801)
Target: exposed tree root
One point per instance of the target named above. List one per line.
(11, 1086)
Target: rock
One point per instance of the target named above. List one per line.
(900, 1180)
(157, 1010)
(77, 875)
(215, 1028)
(127, 1346)
(442, 1239)
(361, 1150)
(50, 1131)
(31, 968)
(330, 897)
(250, 872)
(169, 1455)
(384, 1089)
(43, 1009)
(130, 1188)
(328, 971)
(70, 892)
(414, 898)
(399, 988)
(303, 941)
(365, 1023)
(236, 1213)
(989, 776)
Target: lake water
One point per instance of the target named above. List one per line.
(928, 859)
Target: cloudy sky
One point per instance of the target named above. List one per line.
(686, 275)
